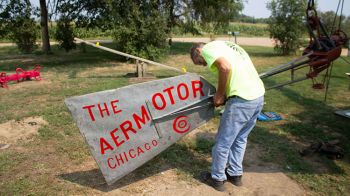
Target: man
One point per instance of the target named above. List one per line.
(242, 92)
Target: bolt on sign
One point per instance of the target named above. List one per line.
(127, 127)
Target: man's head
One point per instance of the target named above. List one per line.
(196, 54)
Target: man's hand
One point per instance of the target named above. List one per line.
(219, 100)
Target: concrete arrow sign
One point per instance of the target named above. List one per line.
(127, 127)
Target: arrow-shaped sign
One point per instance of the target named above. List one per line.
(127, 127)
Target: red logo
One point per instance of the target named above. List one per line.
(180, 124)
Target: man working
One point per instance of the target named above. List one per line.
(240, 87)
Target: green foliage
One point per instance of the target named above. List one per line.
(64, 34)
(250, 19)
(286, 24)
(215, 14)
(331, 22)
(139, 28)
(17, 25)
(25, 36)
(142, 27)
(249, 29)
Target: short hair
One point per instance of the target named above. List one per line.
(194, 53)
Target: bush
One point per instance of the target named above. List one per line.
(286, 24)
(64, 34)
(25, 34)
(17, 25)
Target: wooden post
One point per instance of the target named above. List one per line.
(138, 69)
(144, 69)
(141, 69)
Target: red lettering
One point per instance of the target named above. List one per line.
(90, 111)
(197, 88)
(147, 146)
(125, 127)
(115, 138)
(130, 153)
(104, 145)
(126, 157)
(155, 103)
(105, 109)
(154, 143)
(120, 159)
(114, 107)
(170, 94)
(109, 163)
(181, 96)
(144, 115)
(139, 151)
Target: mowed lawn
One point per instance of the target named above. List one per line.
(43, 163)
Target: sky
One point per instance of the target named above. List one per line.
(257, 8)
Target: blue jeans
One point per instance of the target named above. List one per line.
(236, 123)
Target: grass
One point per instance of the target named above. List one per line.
(58, 149)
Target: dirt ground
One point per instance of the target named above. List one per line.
(259, 179)
(13, 131)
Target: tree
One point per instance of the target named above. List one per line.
(17, 23)
(216, 14)
(76, 13)
(140, 27)
(286, 24)
(64, 34)
(44, 27)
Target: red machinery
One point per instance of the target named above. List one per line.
(19, 76)
(323, 49)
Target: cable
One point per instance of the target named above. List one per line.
(328, 82)
(341, 13)
(335, 17)
(344, 59)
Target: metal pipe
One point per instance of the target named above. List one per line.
(287, 83)
(186, 108)
(285, 67)
(127, 55)
(268, 74)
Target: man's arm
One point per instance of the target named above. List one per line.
(224, 69)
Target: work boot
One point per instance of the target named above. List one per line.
(207, 179)
(235, 180)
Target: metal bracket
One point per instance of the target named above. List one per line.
(148, 105)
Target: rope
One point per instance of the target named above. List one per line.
(344, 59)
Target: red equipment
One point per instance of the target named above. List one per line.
(19, 76)
(323, 49)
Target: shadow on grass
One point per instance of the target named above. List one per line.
(316, 122)
(62, 60)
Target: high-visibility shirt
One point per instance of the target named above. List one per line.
(244, 80)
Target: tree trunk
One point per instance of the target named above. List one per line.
(44, 27)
